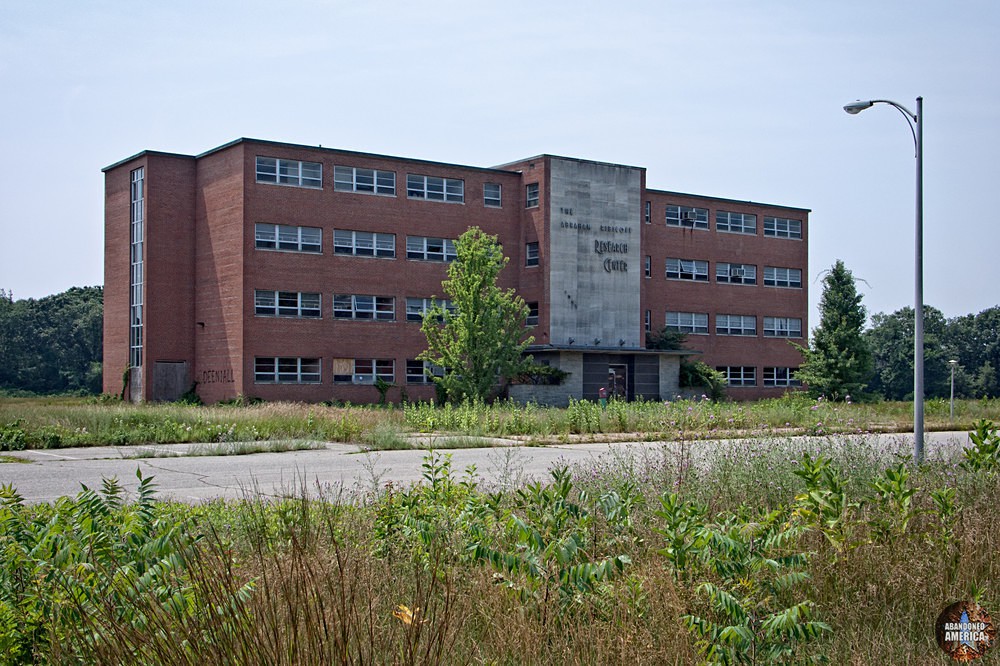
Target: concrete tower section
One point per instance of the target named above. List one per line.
(594, 253)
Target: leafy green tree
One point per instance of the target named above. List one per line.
(838, 362)
(891, 341)
(482, 341)
(665, 339)
(52, 344)
(974, 341)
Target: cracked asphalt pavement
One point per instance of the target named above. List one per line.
(45, 475)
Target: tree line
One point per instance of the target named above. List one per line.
(845, 358)
(52, 344)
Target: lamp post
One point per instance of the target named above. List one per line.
(916, 123)
(952, 363)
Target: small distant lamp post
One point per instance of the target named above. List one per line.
(953, 363)
(916, 123)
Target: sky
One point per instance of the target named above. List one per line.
(726, 98)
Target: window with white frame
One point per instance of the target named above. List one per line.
(354, 306)
(531, 195)
(287, 370)
(648, 321)
(417, 307)
(531, 254)
(784, 377)
(532, 319)
(364, 243)
(735, 223)
(435, 188)
(782, 327)
(780, 227)
(647, 215)
(775, 276)
(289, 172)
(687, 216)
(269, 303)
(728, 324)
(430, 249)
(364, 370)
(365, 181)
(735, 273)
(491, 195)
(286, 237)
(739, 375)
(648, 266)
(687, 269)
(420, 372)
(688, 322)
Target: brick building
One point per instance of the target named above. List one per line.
(301, 273)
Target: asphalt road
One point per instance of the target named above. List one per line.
(48, 474)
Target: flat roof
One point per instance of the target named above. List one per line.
(740, 201)
(143, 154)
(496, 169)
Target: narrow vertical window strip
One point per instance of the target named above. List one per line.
(136, 268)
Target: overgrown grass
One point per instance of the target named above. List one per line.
(829, 549)
(65, 422)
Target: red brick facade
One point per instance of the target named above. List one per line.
(203, 267)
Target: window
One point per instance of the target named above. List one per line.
(687, 269)
(739, 375)
(647, 216)
(648, 266)
(782, 277)
(364, 370)
(289, 172)
(368, 181)
(531, 195)
(735, 223)
(532, 319)
(286, 370)
(283, 237)
(782, 327)
(649, 321)
(688, 322)
(780, 227)
(434, 188)
(353, 306)
(727, 324)
(416, 371)
(687, 216)
(286, 304)
(736, 273)
(430, 249)
(416, 308)
(364, 243)
(491, 195)
(780, 377)
(136, 268)
(531, 254)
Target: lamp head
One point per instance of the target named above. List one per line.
(855, 108)
(953, 363)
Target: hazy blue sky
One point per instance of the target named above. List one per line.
(725, 98)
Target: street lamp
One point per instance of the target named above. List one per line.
(916, 123)
(953, 363)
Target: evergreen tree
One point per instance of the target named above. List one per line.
(482, 341)
(838, 362)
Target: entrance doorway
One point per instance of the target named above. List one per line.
(618, 381)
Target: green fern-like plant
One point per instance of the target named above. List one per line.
(756, 617)
(546, 554)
